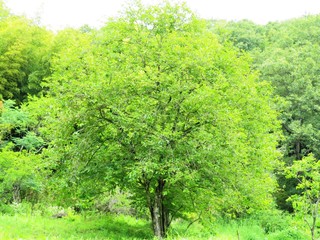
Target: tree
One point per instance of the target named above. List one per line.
(287, 56)
(306, 204)
(294, 74)
(13, 122)
(20, 163)
(154, 104)
(290, 61)
(20, 176)
(24, 57)
(244, 34)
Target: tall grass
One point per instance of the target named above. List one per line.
(93, 227)
(262, 226)
(266, 225)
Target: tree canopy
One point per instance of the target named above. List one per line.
(154, 104)
(24, 50)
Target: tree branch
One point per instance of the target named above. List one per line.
(189, 225)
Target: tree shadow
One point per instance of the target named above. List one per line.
(117, 228)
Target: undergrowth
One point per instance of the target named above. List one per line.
(32, 225)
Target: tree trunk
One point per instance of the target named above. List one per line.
(159, 213)
(16, 193)
(314, 218)
(298, 150)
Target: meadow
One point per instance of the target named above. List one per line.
(94, 226)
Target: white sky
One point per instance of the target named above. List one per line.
(58, 14)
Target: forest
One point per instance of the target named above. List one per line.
(160, 125)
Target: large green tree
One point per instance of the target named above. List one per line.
(154, 104)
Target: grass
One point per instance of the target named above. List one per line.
(95, 227)
(267, 228)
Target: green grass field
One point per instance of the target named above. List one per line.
(76, 227)
(96, 227)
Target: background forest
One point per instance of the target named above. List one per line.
(160, 124)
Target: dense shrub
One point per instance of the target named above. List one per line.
(272, 221)
(117, 202)
(6, 209)
(288, 234)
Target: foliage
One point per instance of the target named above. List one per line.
(24, 55)
(19, 129)
(244, 34)
(287, 56)
(13, 122)
(293, 72)
(117, 202)
(20, 166)
(155, 104)
(291, 64)
(19, 176)
(307, 172)
(272, 221)
(288, 234)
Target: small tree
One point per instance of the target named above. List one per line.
(306, 204)
(20, 178)
(20, 162)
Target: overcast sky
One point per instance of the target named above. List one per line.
(58, 14)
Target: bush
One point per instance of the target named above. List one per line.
(117, 203)
(288, 234)
(23, 208)
(272, 221)
(6, 209)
